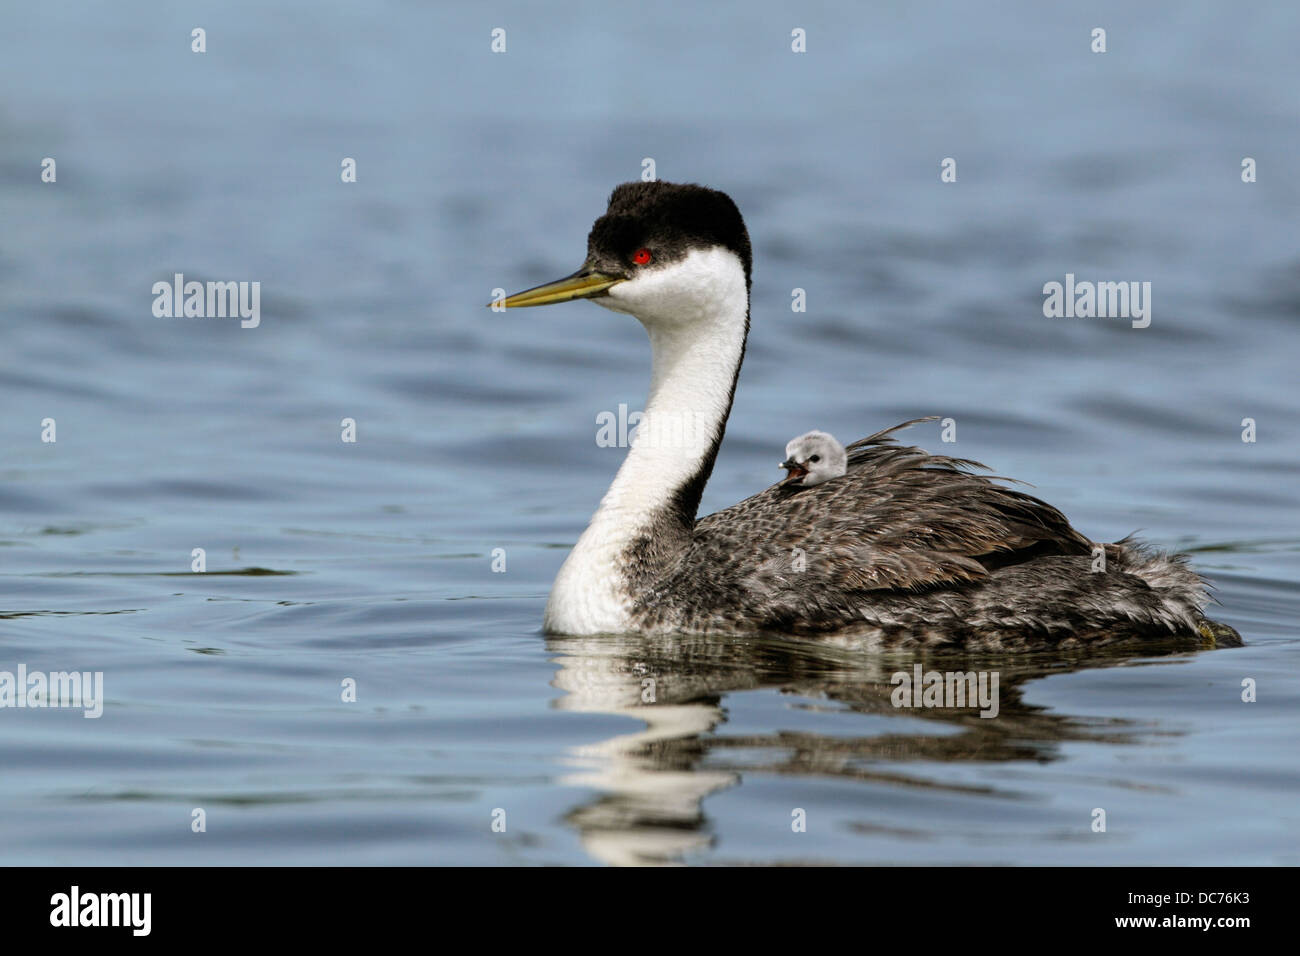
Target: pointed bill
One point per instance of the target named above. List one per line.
(583, 284)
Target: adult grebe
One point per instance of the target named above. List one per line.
(812, 458)
(904, 547)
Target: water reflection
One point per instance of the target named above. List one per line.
(653, 781)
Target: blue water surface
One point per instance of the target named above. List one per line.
(373, 561)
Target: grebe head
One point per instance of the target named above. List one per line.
(669, 254)
(812, 458)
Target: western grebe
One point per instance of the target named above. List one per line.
(812, 458)
(904, 547)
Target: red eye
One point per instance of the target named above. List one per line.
(641, 256)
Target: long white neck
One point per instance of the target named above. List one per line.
(696, 313)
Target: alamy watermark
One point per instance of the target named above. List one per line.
(76, 689)
(1102, 300)
(129, 910)
(681, 429)
(952, 689)
(208, 300)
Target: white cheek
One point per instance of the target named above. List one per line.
(648, 293)
(694, 289)
(608, 301)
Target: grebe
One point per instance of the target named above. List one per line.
(905, 547)
(812, 458)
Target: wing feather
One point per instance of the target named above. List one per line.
(900, 519)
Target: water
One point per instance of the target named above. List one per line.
(373, 560)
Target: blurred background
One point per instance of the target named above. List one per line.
(476, 430)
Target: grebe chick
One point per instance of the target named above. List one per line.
(812, 458)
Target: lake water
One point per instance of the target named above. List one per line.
(373, 561)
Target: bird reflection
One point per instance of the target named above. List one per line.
(652, 782)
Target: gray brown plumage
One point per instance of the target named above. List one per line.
(909, 547)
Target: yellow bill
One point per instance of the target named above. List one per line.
(583, 284)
